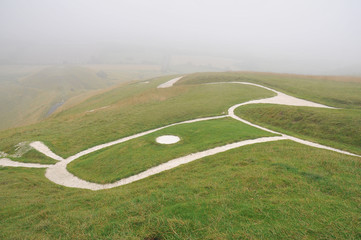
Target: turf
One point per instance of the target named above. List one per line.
(279, 190)
(34, 156)
(276, 190)
(28, 92)
(77, 129)
(343, 92)
(26, 98)
(137, 155)
(339, 128)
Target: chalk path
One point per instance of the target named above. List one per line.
(170, 83)
(58, 173)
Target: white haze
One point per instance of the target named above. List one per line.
(297, 36)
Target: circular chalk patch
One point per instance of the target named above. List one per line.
(167, 139)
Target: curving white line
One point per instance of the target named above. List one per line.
(10, 163)
(121, 140)
(58, 173)
(308, 143)
(283, 99)
(96, 109)
(41, 147)
(280, 98)
(316, 145)
(169, 83)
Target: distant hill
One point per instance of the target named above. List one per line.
(65, 78)
(28, 94)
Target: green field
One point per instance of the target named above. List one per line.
(340, 128)
(343, 92)
(274, 190)
(27, 93)
(280, 190)
(34, 156)
(76, 129)
(137, 155)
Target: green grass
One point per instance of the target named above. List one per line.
(28, 92)
(137, 155)
(34, 156)
(340, 91)
(73, 131)
(116, 95)
(26, 98)
(340, 128)
(19, 104)
(279, 190)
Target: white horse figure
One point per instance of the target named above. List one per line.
(58, 173)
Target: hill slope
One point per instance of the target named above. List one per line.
(29, 94)
(337, 91)
(273, 190)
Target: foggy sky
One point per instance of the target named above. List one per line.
(300, 36)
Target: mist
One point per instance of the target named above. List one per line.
(307, 37)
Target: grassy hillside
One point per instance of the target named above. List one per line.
(77, 128)
(28, 94)
(11, 73)
(340, 91)
(29, 98)
(14, 98)
(280, 190)
(33, 156)
(20, 104)
(340, 128)
(65, 79)
(275, 190)
(132, 157)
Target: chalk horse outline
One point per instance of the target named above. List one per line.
(58, 173)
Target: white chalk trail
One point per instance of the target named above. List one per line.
(308, 143)
(9, 163)
(280, 98)
(170, 83)
(20, 149)
(59, 174)
(316, 145)
(121, 140)
(41, 147)
(283, 99)
(97, 109)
